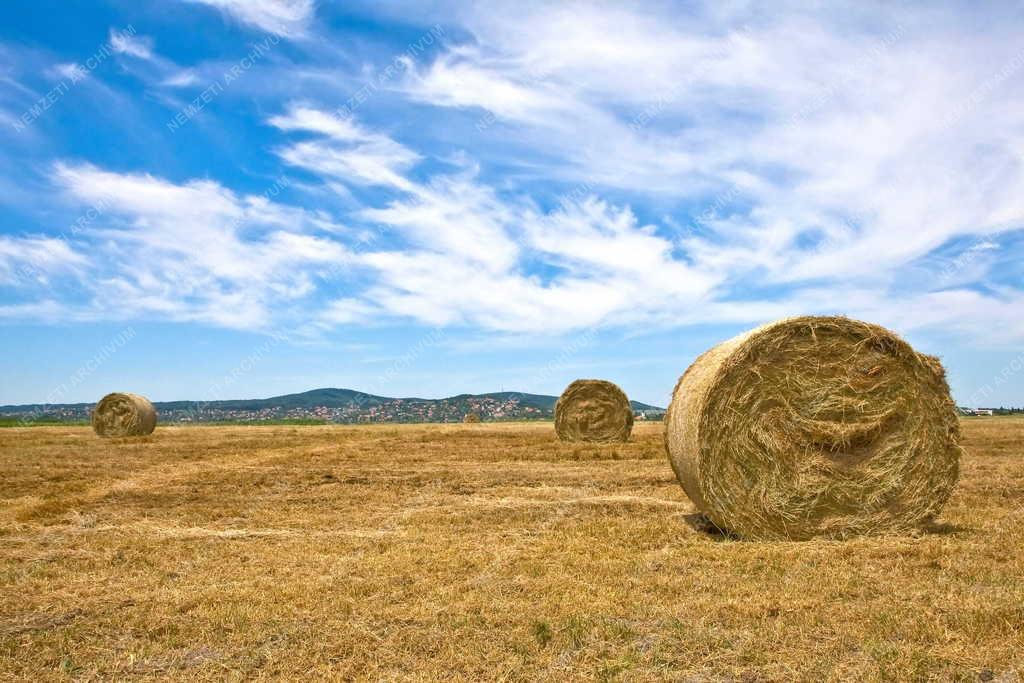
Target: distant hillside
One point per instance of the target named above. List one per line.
(331, 405)
(331, 398)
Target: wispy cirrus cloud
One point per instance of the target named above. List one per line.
(836, 145)
(289, 18)
(131, 45)
(732, 165)
(36, 259)
(346, 150)
(468, 255)
(196, 251)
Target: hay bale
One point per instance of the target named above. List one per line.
(471, 418)
(814, 426)
(593, 410)
(120, 414)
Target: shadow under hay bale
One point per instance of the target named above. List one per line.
(593, 410)
(937, 528)
(123, 414)
(700, 523)
(814, 426)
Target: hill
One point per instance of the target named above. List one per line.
(330, 405)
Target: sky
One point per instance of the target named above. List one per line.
(211, 199)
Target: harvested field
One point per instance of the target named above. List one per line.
(492, 551)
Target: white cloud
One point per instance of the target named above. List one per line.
(72, 71)
(847, 142)
(346, 311)
(468, 254)
(350, 153)
(41, 310)
(465, 78)
(594, 239)
(988, 319)
(473, 257)
(366, 164)
(310, 119)
(856, 97)
(284, 17)
(182, 78)
(456, 217)
(36, 259)
(197, 251)
(805, 159)
(132, 45)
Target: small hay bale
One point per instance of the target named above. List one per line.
(121, 414)
(593, 410)
(814, 426)
(471, 418)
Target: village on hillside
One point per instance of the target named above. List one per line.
(386, 411)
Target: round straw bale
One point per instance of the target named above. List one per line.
(593, 410)
(120, 414)
(471, 418)
(814, 426)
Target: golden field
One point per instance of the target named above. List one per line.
(473, 552)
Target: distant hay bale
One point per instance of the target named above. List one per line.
(814, 426)
(120, 414)
(593, 410)
(471, 418)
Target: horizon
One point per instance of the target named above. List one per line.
(216, 198)
(309, 391)
(417, 398)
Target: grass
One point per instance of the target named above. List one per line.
(476, 552)
(40, 422)
(275, 422)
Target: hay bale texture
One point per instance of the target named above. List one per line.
(120, 414)
(814, 426)
(471, 418)
(593, 410)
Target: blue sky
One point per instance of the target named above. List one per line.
(240, 198)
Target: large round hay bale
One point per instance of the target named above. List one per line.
(121, 414)
(814, 426)
(593, 410)
(471, 418)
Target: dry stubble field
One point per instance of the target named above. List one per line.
(472, 552)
